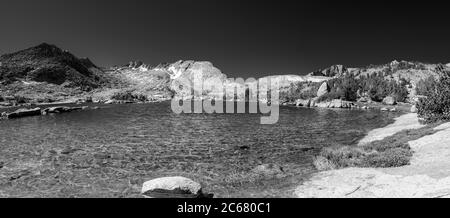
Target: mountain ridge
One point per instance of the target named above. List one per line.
(47, 65)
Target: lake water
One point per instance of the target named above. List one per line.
(109, 152)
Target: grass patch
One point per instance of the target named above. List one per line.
(393, 151)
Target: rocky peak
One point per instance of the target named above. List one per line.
(394, 63)
(333, 71)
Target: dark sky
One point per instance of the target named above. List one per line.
(242, 38)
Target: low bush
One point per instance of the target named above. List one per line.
(345, 156)
(394, 157)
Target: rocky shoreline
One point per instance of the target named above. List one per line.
(428, 174)
(26, 112)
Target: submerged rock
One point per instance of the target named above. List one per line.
(272, 170)
(23, 112)
(173, 187)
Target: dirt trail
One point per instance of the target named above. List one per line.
(428, 175)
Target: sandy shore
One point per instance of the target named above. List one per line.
(428, 175)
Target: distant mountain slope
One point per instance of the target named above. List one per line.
(48, 63)
(410, 71)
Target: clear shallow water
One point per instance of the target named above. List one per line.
(109, 152)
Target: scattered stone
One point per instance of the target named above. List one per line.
(110, 102)
(389, 101)
(173, 187)
(303, 103)
(23, 112)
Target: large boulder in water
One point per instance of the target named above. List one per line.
(173, 187)
(389, 100)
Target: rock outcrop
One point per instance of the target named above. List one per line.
(335, 103)
(61, 109)
(323, 89)
(23, 112)
(333, 71)
(173, 187)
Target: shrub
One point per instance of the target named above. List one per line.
(378, 155)
(436, 106)
(322, 164)
(376, 85)
(394, 157)
(341, 157)
(128, 95)
(426, 86)
(344, 88)
(379, 88)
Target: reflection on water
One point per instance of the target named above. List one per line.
(144, 140)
